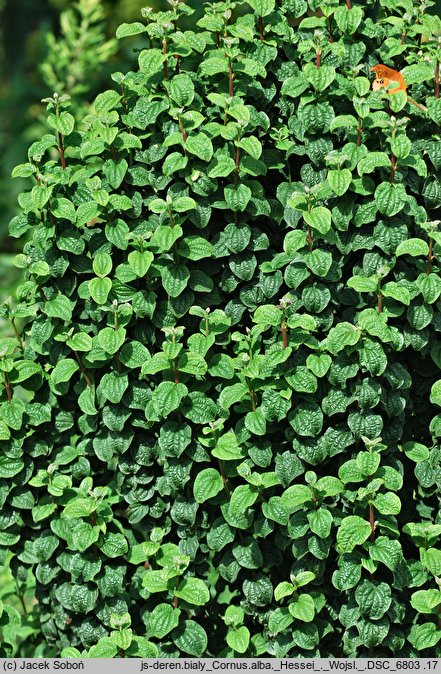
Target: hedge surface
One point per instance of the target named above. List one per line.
(219, 413)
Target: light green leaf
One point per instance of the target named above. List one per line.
(353, 531)
(208, 483)
(303, 608)
(193, 591)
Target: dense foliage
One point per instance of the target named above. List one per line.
(219, 425)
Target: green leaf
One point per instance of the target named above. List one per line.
(318, 218)
(339, 180)
(59, 307)
(295, 496)
(255, 422)
(80, 341)
(396, 292)
(193, 591)
(174, 162)
(140, 262)
(175, 278)
(374, 599)
(112, 386)
(128, 29)
(362, 284)
(105, 648)
(107, 100)
(10, 467)
(64, 122)
(321, 77)
(237, 197)
(181, 90)
(114, 545)
(208, 483)
(307, 419)
(200, 145)
(390, 198)
(387, 504)
(413, 247)
(238, 639)
(319, 365)
(343, 334)
(195, 248)
(425, 601)
(63, 371)
(417, 73)
(162, 620)
(303, 608)
(387, 551)
(431, 558)
(424, 636)
(102, 264)
(183, 204)
(320, 521)
(151, 61)
(190, 638)
(243, 497)
(111, 340)
(213, 66)
(167, 397)
(99, 289)
(262, 7)
(227, 448)
(372, 161)
(348, 20)
(352, 531)
(251, 145)
(231, 395)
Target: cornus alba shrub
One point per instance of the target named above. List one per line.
(221, 392)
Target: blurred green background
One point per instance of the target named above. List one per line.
(47, 46)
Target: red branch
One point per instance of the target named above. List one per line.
(164, 51)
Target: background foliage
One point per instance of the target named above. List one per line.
(219, 413)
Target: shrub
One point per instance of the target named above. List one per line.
(216, 431)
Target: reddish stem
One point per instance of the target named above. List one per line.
(253, 400)
(183, 131)
(236, 172)
(83, 371)
(178, 64)
(8, 388)
(17, 334)
(61, 150)
(284, 336)
(380, 302)
(285, 340)
(331, 34)
(437, 79)
(164, 51)
(403, 37)
(261, 29)
(176, 599)
(310, 238)
(430, 257)
(348, 4)
(230, 78)
(318, 58)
